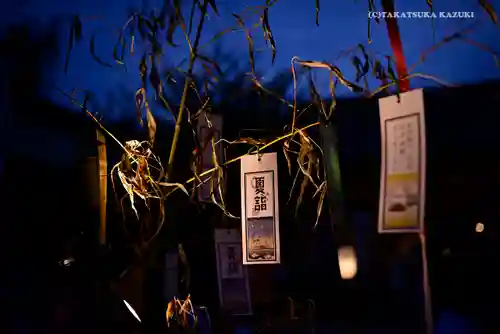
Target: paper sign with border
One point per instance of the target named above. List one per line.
(259, 209)
(234, 288)
(204, 134)
(403, 167)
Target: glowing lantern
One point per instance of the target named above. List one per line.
(479, 227)
(348, 263)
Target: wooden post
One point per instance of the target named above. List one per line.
(103, 185)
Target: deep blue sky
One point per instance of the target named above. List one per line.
(343, 24)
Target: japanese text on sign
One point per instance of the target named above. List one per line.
(260, 198)
(404, 145)
(232, 266)
(259, 194)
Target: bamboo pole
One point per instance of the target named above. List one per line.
(103, 184)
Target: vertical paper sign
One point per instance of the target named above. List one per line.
(402, 180)
(259, 209)
(234, 290)
(206, 131)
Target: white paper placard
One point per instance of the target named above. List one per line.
(204, 133)
(234, 289)
(402, 179)
(259, 209)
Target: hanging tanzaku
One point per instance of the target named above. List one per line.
(209, 133)
(234, 289)
(259, 209)
(402, 179)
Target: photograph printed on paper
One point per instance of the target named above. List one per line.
(261, 239)
(402, 174)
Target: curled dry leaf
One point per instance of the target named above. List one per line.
(217, 182)
(181, 311)
(141, 174)
(322, 191)
(308, 163)
(140, 99)
(75, 36)
(318, 8)
(94, 55)
(488, 8)
(250, 42)
(333, 69)
(151, 124)
(268, 35)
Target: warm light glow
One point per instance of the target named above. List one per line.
(348, 262)
(131, 309)
(479, 227)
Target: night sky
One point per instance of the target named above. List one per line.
(343, 24)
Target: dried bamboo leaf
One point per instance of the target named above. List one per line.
(220, 182)
(143, 70)
(268, 35)
(286, 147)
(70, 47)
(321, 200)
(174, 22)
(433, 21)
(303, 186)
(317, 12)
(483, 47)
(128, 188)
(119, 49)
(75, 36)
(357, 64)
(317, 100)
(77, 24)
(155, 80)
(174, 185)
(212, 4)
(488, 8)
(140, 100)
(333, 104)
(290, 194)
(334, 69)
(213, 63)
(366, 64)
(371, 8)
(250, 42)
(94, 55)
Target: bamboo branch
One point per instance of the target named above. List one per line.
(272, 142)
(192, 59)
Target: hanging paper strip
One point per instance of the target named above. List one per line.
(208, 130)
(396, 44)
(234, 290)
(259, 209)
(402, 180)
